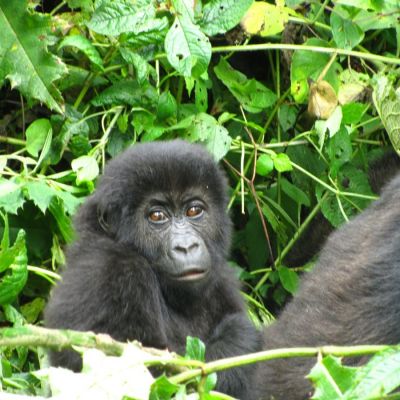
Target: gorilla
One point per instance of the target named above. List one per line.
(149, 262)
(351, 297)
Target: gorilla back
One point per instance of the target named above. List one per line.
(149, 262)
(351, 297)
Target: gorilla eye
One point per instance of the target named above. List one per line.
(157, 216)
(194, 211)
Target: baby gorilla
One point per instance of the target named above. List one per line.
(150, 264)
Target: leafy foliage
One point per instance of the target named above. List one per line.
(280, 92)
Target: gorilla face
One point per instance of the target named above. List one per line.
(177, 224)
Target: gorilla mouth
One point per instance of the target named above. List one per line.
(192, 274)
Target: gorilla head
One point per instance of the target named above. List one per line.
(150, 260)
(168, 203)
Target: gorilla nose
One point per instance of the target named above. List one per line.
(185, 248)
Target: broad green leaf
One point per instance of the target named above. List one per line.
(40, 193)
(220, 16)
(167, 107)
(264, 165)
(282, 162)
(379, 377)
(346, 33)
(86, 169)
(294, 192)
(251, 94)
(36, 135)
(11, 197)
(84, 45)
(289, 279)
(114, 18)
(339, 150)
(353, 112)
(127, 93)
(205, 128)
(188, 49)
(266, 19)
(32, 310)
(308, 65)
(387, 103)
(14, 263)
(142, 68)
(24, 59)
(331, 379)
(195, 349)
(163, 389)
(70, 202)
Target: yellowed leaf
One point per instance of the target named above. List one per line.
(322, 100)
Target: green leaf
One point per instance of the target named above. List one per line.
(282, 162)
(24, 59)
(379, 377)
(195, 349)
(339, 150)
(127, 93)
(40, 193)
(220, 16)
(167, 107)
(36, 135)
(163, 389)
(84, 45)
(14, 262)
(205, 128)
(331, 379)
(32, 310)
(64, 224)
(346, 33)
(251, 94)
(86, 169)
(264, 165)
(11, 197)
(114, 18)
(141, 66)
(188, 49)
(308, 65)
(294, 192)
(387, 103)
(289, 279)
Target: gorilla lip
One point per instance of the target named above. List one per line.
(192, 275)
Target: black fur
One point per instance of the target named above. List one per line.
(351, 297)
(117, 277)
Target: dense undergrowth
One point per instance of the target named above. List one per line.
(297, 100)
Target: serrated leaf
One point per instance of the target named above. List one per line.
(127, 92)
(220, 16)
(379, 377)
(84, 45)
(289, 279)
(331, 379)
(251, 94)
(114, 18)
(188, 49)
(14, 263)
(264, 165)
(24, 59)
(40, 193)
(64, 224)
(141, 66)
(282, 162)
(11, 197)
(86, 169)
(205, 128)
(36, 135)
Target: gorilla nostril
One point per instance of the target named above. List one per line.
(186, 248)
